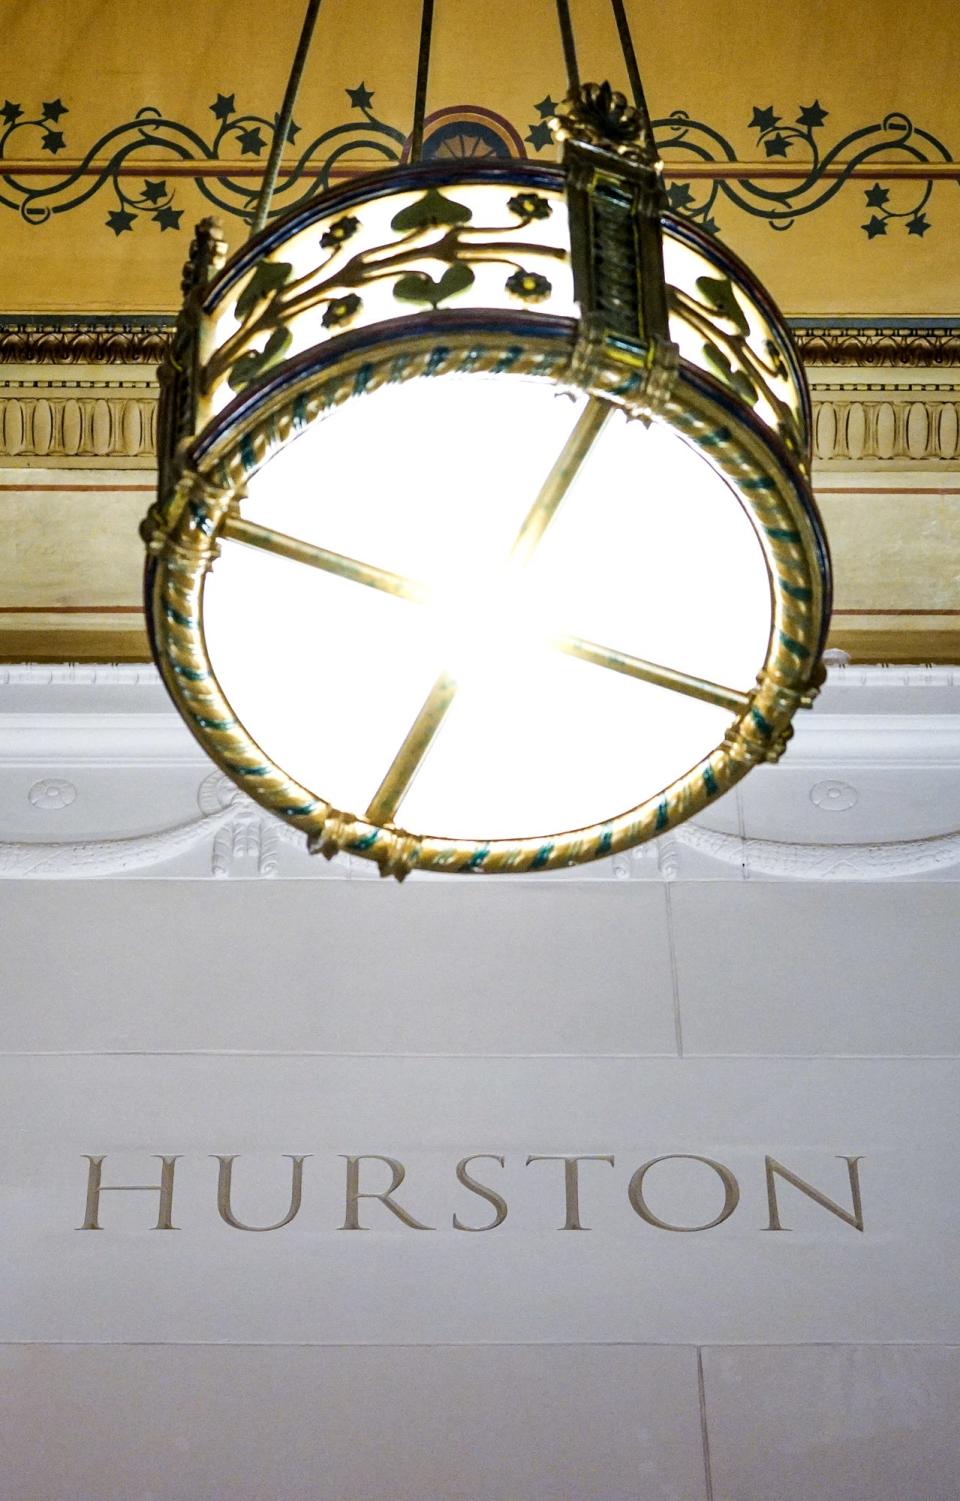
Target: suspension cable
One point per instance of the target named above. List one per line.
(423, 68)
(569, 47)
(284, 119)
(633, 71)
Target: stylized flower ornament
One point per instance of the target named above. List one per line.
(529, 206)
(341, 311)
(339, 231)
(530, 286)
(602, 115)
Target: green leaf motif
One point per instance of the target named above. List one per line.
(737, 380)
(777, 362)
(720, 294)
(417, 286)
(429, 212)
(268, 276)
(255, 362)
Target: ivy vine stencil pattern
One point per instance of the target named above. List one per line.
(816, 174)
(112, 159)
(223, 155)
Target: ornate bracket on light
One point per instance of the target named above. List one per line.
(485, 511)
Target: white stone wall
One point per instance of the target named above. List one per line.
(780, 984)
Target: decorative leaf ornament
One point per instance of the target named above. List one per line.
(719, 292)
(267, 278)
(430, 212)
(417, 286)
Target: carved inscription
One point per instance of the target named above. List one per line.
(372, 1179)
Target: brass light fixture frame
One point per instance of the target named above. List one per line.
(620, 351)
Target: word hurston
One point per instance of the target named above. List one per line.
(368, 1197)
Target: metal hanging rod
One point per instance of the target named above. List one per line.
(569, 46)
(284, 118)
(626, 47)
(423, 68)
(633, 70)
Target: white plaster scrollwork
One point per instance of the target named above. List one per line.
(625, 866)
(236, 842)
(668, 857)
(242, 838)
(835, 862)
(104, 857)
(248, 843)
(216, 792)
(908, 727)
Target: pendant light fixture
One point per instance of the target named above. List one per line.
(484, 539)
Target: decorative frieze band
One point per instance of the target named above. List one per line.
(113, 424)
(883, 345)
(884, 728)
(27, 340)
(80, 390)
(107, 423)
(884, 428)
(141, 339)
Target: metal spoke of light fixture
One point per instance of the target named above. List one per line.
(374, 391)
(238, 530)
(405, 764)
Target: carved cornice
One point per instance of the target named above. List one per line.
(28, 340)
(141, 339)
(93, 397)
(887, 346)
(900, 722)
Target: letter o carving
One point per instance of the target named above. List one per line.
(731, 1192)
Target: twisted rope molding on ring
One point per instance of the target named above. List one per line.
(186, 544)
(890, 860)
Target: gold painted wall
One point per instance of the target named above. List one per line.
(119, 119)
(725, 64)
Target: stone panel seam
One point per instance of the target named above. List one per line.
(674, 971)
(704, 1429)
